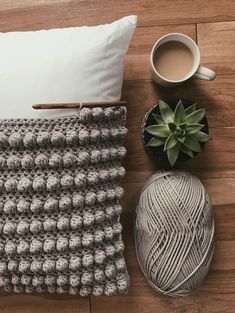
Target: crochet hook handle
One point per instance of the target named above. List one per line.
(49, 106)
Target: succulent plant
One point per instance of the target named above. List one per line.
(178, 131)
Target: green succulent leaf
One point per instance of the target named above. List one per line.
(195, 117)
(190, 109)
(202, 137)
(173, 154)
(170, 142)
(180, 138)
(159, 130)
(193, 128)
(179, 115)
(179, 132)
(172, 127)
(183, 125)
(187, 151)
(155, 142)
(166, 112)
(192, 143)
(158, 118)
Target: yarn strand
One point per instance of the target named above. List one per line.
(174, 232)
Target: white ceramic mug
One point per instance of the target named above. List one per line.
(198, 70)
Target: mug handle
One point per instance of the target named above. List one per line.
(205, 73)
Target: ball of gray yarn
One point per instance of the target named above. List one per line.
(174, 232)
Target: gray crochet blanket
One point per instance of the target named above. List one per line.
(59, 210)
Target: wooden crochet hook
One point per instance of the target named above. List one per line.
(72, 105)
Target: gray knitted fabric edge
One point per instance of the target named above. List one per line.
(59, 210)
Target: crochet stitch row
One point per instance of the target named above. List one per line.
(59, 212)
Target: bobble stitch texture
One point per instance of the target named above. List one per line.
(74, 242)
(36, 226)
(13, 162)
(59, 211)
(49, 266)
(22, 247)
(49, 245)
(15, 140)
(55, 161)
(39, 184)
(35, 246)
(80, 180)
(11, 184)
(43, 139)
(76, 222)
(29, 140)
(22, 228)
(58, 139)
(9, 228)
(12, 266)
(83, 158)
(97, 114)
(53, 183)
(62, 244)
(3, 140)
(51, 205)
(63, 223)
(65, 203)
(10, 248)
(9, 207)
(27, 162)
(69, 160)
(23, 206)
(74, 280)
(49, 225)
(41, 161)
(71, 138)
(85, 115)
(83, 137)
(66, 181)
(24, 185)
(36, 205)
(95, 135)
(3, 162)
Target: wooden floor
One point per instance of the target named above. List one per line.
(211, 23)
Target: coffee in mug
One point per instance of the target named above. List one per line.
(175, 58)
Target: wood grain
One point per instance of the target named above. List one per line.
(43, 303)
(69, 105)
(211, 24)
(34, 14)
(217, 43)
(215, 166)
(217, 98)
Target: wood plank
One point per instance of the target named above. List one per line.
(218, 154)
(26, 15)
(215, 166)
(216, 97)
(15, 303)
(217, 42)
(18, 4)
(210, 36)
(147, 304)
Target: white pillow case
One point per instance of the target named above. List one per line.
(62, 65)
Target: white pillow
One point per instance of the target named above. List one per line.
(77, 64)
